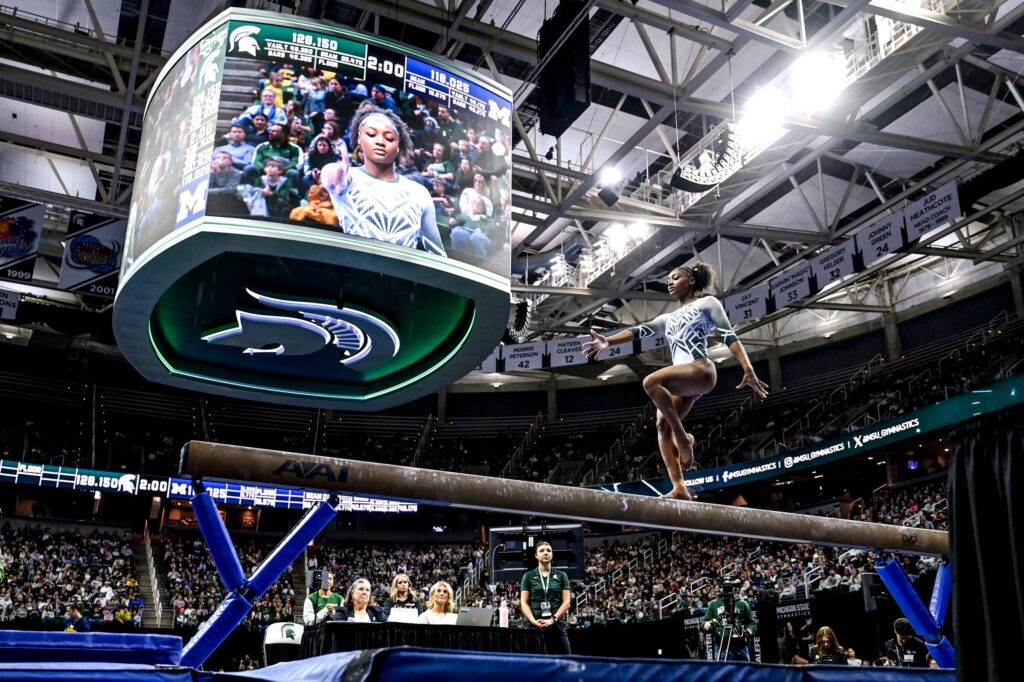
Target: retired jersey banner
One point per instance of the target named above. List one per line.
(747, 305)
(21, 225)
(92, 254)
(651, 342)
(881, 238)
(523, 356)
(834, 264)
(566, 352)
(933, 210)
(791, 286)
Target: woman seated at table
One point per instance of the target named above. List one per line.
(359, 606)
(440, 606)
(403, 596)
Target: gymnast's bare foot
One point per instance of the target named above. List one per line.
(685, 452)
(679, 492)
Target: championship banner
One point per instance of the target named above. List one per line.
(834, 264)
(524, 356)
(881, 238)
(92, 254)
(9, 304)
(565, 352)
(490, 363)
(747, 305)
(21, 225)
(791, 286)
(201, 129)
(934, 210)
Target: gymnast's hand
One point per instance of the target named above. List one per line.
(759, 387)
(334, 176)
(596, 344)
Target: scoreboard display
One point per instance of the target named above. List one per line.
(321, 217)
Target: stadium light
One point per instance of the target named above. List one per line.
(616, 236)
(763, 116)
(610, 175)
(816, 80)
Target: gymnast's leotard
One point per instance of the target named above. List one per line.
(687, 328)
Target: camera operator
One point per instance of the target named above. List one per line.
(732, 621)
(905, 650)
(322, 604)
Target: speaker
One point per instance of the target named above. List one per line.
(563, 85)
(871, 589)
(608, 196)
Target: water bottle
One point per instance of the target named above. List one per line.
(503, 614)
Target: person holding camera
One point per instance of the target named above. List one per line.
(731, 622)
(905, 650)
(321, 605)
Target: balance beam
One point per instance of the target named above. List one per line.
(200, 459)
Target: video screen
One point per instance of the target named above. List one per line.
(332, 132)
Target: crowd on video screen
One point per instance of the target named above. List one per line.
(313, 145)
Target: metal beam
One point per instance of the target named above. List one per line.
(466, 491)
(738, 26)
(625, 294)
(852, 307)
(941, 23)
(661, 22)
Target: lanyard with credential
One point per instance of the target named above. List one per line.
(543, 584)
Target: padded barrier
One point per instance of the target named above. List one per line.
(18, 646)
(939, 605)
(455, 666)
(91, 672)
(222, 549)
(231, 612)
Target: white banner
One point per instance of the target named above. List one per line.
(934, 210)
(523, 356)
(9, 304)
(616, 351)
(747, 305)
(565, 352)
(652, 342)
(490, 363)
(834, 264)
(791, 286)
(881, 238)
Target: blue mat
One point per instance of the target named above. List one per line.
(456, 666)
(26, 646)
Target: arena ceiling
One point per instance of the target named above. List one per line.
(932, 94)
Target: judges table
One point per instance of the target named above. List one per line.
(330, 637)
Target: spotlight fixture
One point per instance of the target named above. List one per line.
(550, 153)
(519, 319)
(610, 175)
(608, 196)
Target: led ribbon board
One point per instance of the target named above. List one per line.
(247, 274)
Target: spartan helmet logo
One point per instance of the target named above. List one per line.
(242, 40)
(364, 341)
(126, 484)
(288, 631)
(210, 72)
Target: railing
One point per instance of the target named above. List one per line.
(151, 567)
(914, 521)
(628, 437)
(512, 466)
(670, 599)
(732, 569)
(421, 447)
(812, 577)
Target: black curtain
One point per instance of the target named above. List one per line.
(986, 507)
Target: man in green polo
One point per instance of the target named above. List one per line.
(320, 605)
